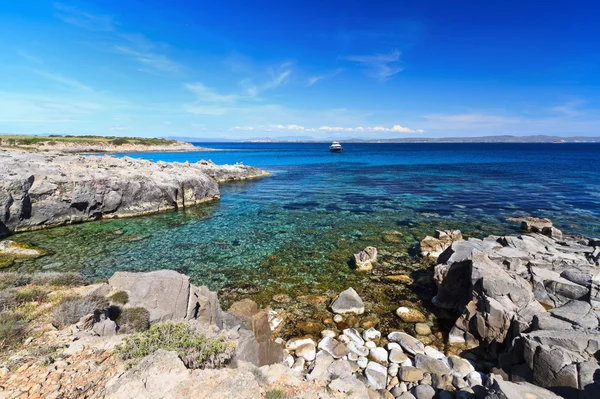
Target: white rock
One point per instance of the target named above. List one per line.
(338, 318)
(358, 349)
(394, 345)
(352, 356)
(434, 353)
(370, 345)
(393, 370)
(371, 334)
(474, 378)
(288, 360)
(354, 336)
(397, 356)
(299, 364)
(343, 339)
(379, 355)
(348, 302)
(376, 375)
(362, 362)
(307, 351)
(328, 334)
(294, 343)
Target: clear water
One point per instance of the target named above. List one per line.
(293, 232)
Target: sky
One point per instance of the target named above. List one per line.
(322, 69)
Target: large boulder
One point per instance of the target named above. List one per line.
(164, 293)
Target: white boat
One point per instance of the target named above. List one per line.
(335, 147)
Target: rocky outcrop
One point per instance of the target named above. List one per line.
(530, 299)
(78, 145)
(40, 190)
(432, 247)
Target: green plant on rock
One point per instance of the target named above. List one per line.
(132, 320)
(195, 349)
(119, 297)
(65, 279)
(71, 309)
(275, 394)
(35, 294)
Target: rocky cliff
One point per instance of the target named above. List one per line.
(40, 190)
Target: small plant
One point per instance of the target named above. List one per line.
(119, 297)
(73, 308)
(119, 141)
(275, 394)
(67, 279)
(34, 294)
(12, 329)
(132, 320)
(195, 349)
(12, 279)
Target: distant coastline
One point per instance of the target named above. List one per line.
(481, 139)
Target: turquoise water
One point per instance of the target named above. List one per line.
(293, 232)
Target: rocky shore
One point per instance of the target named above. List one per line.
(97, 146)
(39, 190)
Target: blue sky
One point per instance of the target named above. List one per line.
(320, 69)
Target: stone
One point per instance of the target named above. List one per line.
(376, 375)
(501, 389)
(434, 246)
(328, 334)
(408, 315)
(398, 278)
(422, 329)
(578, 313)
(332, 346)
(393, 370)
(431, 365)
(11, 248)
(364, 259)
(164, 293)
(410, 374)
(307, 351)
(474, 378)
(299, 364)
(423, 392)
(434, 353)
(535, 225)
(360, 350)
(371, 334)
(370, 345)
(408, 343)
(460, 367)
(577, 276)
(552, 232)
(348, 302)
(354, 336)
(362, 362)
(105, 328)
(322, 362)
(379, 355)
(397, 356)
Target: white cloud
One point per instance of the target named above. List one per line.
(326, 128)
(206, 94)
(63, 80)
(148, 58)
(570, 108)
(381, 66)
(82, 19)
(314, 79)
(278, 76)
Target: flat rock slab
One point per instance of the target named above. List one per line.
(164, 293)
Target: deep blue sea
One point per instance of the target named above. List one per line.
(294, 231)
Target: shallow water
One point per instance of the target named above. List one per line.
(293, 232)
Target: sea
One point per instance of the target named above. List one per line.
(294, 232)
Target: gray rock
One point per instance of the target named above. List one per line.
(408, 343)
(410, 374)
(500, 389)
(431, 365)
(379, 355)
(423, 392)
(332, 346)
(348, 302)
(376, 375)
(460, 367)
(105, 328)
(577, 276)
(40, 189)
(359, 350)
(577, 312)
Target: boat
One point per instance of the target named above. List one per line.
(335, 147)
(559, 141)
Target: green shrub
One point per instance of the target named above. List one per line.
(71, 309)
(12, 329)
(8, 299)
(66, 279)
(12, 279)
(119, 297)
(195, 349)
(275, 394)
(34, 294)
(119, 141)
(132, 320)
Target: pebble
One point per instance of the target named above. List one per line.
(354, 336)
(408, 315)
(370, 345)
(422, 329)
(371, 334)
(307, 351)
(362, 362)
(328, 333)
(338, 318)
(379, 355)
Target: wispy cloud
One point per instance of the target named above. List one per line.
(570, 108)
(147, 53)
(278, 76)
(63, 80)
(326, 128)
(314, 79)
(473, 118)
(29, 57)
(380, 66)
(82, 19)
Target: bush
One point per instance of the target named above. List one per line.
(71, 309)
(34, 294)
(68, 279)
(119, 141)
(119, 297)
(12, 279)
(8, 299)
(195, 349)
(132, 320)
(12, 329)
(275, 394)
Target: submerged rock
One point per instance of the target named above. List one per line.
(348, 302)
(364, 259)
(434, 246)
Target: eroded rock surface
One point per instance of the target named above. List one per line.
(49, 189)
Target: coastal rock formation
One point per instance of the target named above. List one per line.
(433, 246)
(90, 144)
(530, 299)
(49, 189)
